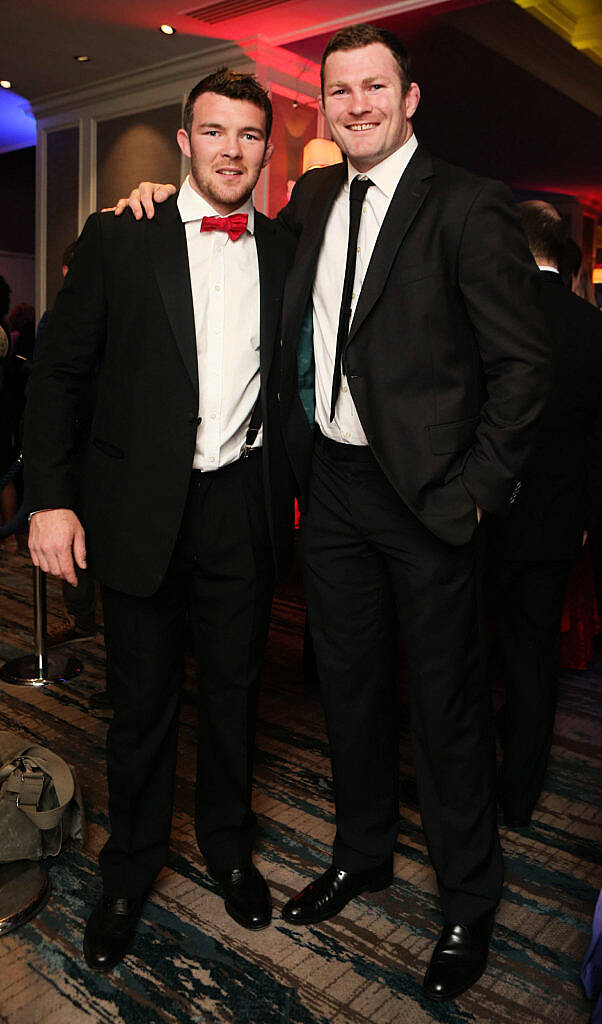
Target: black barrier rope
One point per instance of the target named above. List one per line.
(12, 471)
(19, 518)
(15, 524)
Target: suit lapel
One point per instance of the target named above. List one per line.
(301, 277)
(409, 196)
(272, 270)
(169, 255)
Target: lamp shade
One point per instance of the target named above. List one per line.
(320, 153)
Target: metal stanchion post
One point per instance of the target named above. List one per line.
(39, 621)
(40, 668)
(24, 889)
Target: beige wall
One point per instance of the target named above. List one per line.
(136, 147)
(62, 168)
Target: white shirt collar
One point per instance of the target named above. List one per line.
(544, 266)
(193, 206)
(387, 173)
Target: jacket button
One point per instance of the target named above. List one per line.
(193, 418)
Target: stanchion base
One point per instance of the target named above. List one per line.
(24, 671)
(24, 889)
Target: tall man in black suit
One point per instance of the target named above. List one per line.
(532, 551)
(185, 500)
(412, 378)
(411, 384)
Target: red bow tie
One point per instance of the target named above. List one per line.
(235, 225)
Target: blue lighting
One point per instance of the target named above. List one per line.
(17, 123)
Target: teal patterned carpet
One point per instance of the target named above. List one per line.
(192, 963)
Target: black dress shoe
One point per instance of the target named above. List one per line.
(459, 959)
(332, 891)
(246, 896)
(109, 931)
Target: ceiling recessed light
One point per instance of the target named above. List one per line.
(5, 83)
(167, 30)
(81, 58)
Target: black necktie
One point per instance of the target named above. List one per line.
(357, 193)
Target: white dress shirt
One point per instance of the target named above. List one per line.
(225, 292)
(328, 286)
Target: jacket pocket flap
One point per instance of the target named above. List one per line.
(446, 438)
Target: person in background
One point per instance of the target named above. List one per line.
(9, 415)
(531, 552)
(574, 274)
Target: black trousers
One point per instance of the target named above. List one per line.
(221, 576)
(367, 561)
(526, 601)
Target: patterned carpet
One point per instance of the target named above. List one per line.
(192, 963)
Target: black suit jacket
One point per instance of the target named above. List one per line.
(447, 358)
(126, 306)
(561, 493)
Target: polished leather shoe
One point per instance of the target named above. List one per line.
(458, 960)
(246, 896)
(109, 931)
(332, 891)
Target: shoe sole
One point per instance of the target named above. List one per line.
(375, 887)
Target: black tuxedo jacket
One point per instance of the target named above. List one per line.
(561, 493)
(126, 310)
(447, 358)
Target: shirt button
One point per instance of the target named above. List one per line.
(347, 434)
(212, 415)
(211, 458)
(358, 250)
(218, 288)
(345, 389)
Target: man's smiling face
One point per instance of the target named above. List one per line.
(363, 103)
(227, 149)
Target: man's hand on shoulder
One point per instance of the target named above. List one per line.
(56, 537)
(142, 199)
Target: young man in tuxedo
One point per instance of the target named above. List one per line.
(185, 502)
(531, 552)
(413, 375)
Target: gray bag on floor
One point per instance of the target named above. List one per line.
(40, 801)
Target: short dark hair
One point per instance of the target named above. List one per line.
(235, 86)
(356, 36)
(545, 229)
(68, 254)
